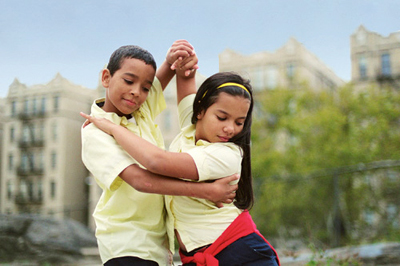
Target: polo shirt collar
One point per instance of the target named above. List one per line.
(189, 134)
(97, 111)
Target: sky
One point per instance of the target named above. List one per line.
(40, 38)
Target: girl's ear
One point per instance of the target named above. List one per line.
(200, 115)
(105, 78)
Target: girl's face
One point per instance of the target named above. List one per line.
(223, 120)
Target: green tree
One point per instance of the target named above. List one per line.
(296, 134)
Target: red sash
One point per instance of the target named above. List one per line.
(242, 226)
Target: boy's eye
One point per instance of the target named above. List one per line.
(146, 89)
(129, 82)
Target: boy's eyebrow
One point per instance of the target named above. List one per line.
(131, 74)
(135, 76)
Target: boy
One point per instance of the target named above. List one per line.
(130, 225)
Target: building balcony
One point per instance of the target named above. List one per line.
(28, 171)
(24, 199)
(392, 79)
(24, 144)
(31, 115)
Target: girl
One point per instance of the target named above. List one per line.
(214, 144)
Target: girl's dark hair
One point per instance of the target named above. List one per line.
(129, 51)
(205, 97)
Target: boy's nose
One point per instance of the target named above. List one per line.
(135, 90)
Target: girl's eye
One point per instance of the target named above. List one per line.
(221, 118)
(239, 124)
(129, 82)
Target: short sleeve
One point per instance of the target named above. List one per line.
(103, 157)
(216, 160)
(155, 101)
(185, 110)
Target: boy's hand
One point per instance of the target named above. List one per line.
(186, 66)
(222, 191)
(178, 54)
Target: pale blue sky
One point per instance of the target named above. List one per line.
(41, 38)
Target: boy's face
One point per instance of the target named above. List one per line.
(128, 88)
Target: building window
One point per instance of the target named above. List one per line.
(25, 133)
(41, 159)
(12, 134)
(24, 162)
(26, 106)
(43, 105)
(23, 188)
(56, 103)
(10, 162)
(53, 160)
(41, 131)
(13, 108)
(34, 106)
(290, 69)
(30, 190)
(40, 190)
(9, 189)
(32, 132)
(362, 65)
(54, 131)
(31, 161)
(385, 61)
(53, 189)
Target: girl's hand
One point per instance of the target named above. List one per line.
(185, 67)
(102, 123)
(182, 56)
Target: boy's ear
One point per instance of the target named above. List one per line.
(105, 78)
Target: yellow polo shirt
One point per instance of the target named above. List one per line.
(198, 221)
(128, 222)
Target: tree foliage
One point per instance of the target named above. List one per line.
(297, 133)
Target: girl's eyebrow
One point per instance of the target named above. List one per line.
(225, 113)
(222, 111)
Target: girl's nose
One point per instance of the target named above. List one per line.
(229, 129)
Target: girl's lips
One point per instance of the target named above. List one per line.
(224, 139)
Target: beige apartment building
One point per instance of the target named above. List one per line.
(375, 59)
(287, 67)
(41, 168)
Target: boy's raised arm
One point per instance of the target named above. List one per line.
(179, 50)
